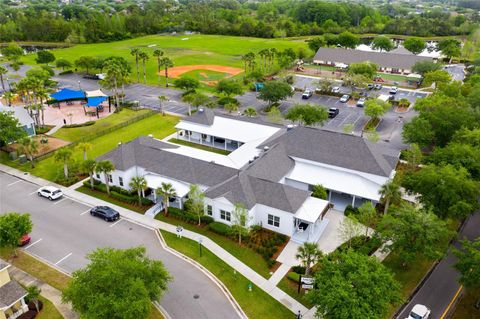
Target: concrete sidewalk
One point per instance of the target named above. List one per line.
(47, 291)
(250, 274)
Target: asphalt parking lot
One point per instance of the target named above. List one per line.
(64, 233)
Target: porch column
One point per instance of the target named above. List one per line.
(329, 195)
(353, 201)
(177, 134)
(201, 139)
(225, 144)
(154, 196)
(189, 135)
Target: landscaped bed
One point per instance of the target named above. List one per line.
(255, 303)
(258, 251)
(290, 286)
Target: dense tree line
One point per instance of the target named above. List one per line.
(109, 21)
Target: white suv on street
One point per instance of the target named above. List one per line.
(419, 312)
(50, 192)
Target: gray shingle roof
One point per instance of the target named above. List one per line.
(10, 293)
(149, 153)
(203, 116)
(382, 59)
(250, 190)
(272, 165)
(333, 148)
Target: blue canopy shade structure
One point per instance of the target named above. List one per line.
(96, 101)
(68, 95)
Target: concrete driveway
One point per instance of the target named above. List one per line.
(64, 232)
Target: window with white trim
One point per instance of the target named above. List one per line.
(209, 210)
(110, 178)
(97, 175)
(273, 220)
(120, 181)
(225, 215)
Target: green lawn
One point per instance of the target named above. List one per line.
(183, 49)
(243, 253)
(206, 75)
(74, 134)
(255, 303)
(393, 77)
(201, 147)
(158, 125)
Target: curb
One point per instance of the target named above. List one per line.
(207, 273)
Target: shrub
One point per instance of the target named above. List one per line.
(207, 219)
(298, 269)
(350, 210)
(89, 123)
(123, 198)
(220, 228)
(66, 72)
(293, 276)
(227, 100)
(361, 244)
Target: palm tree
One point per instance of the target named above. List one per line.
(114, 74)
(161, 99)
(33, 294)
(390, 192)
(158, 54)
(43, 96)
(166, 62)
(248, 59)
(273, 54)
(309, 254)
(264, 54)
(84, 147)
(90, 166)
(3, 71)
(139, 184)
(105, 167)
(144, 57)
(166, 191)
(136, 52)
(64, 155)
(29, 147)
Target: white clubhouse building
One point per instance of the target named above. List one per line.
(270, 169)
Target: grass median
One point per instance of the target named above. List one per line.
(256, 303)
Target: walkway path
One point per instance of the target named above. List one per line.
(50, 293)
(250, 274)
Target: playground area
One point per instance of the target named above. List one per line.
(72, 113)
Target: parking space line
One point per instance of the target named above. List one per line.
(116, 222)
(63, 259)
(34, 243)
(60, 201)
(34, 192)
(85, 212)
(11, 184)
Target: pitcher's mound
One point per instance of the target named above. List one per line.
(177, 71)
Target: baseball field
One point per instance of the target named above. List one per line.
(205, 57)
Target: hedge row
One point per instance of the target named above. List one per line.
(220, 228)
(119, 193)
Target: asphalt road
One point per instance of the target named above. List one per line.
(64, 232)
(442, 285)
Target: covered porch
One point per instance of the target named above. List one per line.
(208, 140)
(155, 181)
(309, 222)
(12, 303)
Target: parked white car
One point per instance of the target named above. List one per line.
(50, 192)
(393, 90)
(419, 312)
(336, 89)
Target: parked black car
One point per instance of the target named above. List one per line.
(332, 112)
(107, 213)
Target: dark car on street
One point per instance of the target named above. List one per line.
(332, 112)
(107, 213)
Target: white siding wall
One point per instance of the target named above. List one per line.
(286, 219)
(126, 175)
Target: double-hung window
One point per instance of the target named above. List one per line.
(225, 215)
(209, 210)
(273, 220)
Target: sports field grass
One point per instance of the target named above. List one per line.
(182, 49)
(206, 75)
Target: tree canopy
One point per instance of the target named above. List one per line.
(229, 87)
(12, 227)
(187, 84)
(351, 285)
(10, 129)
(422, 67)
(275, 91)
(117, 284)
(44, 57)
(414, 45)
(367, 69)
(468, 263)
(382, 43)
(375, 108)
(307, 114)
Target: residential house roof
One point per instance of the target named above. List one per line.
(332, 148)
(10, 293)
(149, 153)
(19, 113)
(204, 116)
(382, 59)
